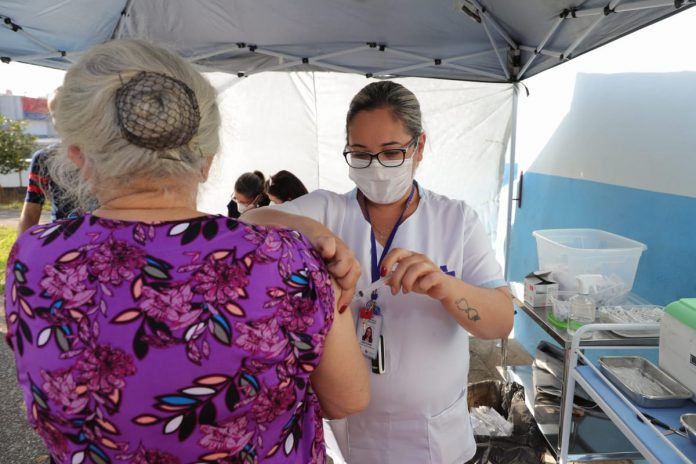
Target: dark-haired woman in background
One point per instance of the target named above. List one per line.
(284, 186)
(249, 193)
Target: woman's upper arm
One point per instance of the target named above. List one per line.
(341, 378)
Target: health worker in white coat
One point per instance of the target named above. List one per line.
(443, 283)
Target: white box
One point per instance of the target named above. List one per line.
(538, 288)
(572, 252)
(678, 342)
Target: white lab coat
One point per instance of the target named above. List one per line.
(418, 408)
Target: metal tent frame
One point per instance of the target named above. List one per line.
(499, 41)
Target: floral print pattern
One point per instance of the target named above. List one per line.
(169, 343)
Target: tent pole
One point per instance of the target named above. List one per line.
(296, 61)
(544, 51)
(116, 34)
(541, 46)
(511, 177)
(495, 49)
(443, 62)
(503, 33)
(629, 6)
(567, 54)
(7, 23)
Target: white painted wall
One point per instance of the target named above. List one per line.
(12, 180)
(622, 114)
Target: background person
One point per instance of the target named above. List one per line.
(146, 332)
(41, 187)
(249, 193)
(445, 284)
(284, 186)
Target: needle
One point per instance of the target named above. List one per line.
(376, 285)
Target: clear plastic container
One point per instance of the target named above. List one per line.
(583, 309)
(571, 252)
(560, 306)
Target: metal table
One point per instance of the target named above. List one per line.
(592, 438)
(653, 444)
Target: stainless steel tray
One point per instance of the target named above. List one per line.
(643, 382)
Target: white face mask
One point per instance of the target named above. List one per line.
(241, 208)
(384, 185)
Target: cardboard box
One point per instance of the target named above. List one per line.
(538, 287)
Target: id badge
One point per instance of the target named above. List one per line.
(369, 329)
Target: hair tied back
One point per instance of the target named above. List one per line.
(156, 111)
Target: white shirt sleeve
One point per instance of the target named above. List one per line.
(321, 205)
(480, 265)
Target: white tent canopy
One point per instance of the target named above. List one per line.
(469, 124)
(480, 40)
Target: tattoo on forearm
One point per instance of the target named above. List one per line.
(472, 313)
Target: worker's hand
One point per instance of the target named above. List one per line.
(341, 264)
(414, 272)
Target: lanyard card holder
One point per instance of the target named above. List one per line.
(370, 329)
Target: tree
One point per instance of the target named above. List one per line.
(16, 146)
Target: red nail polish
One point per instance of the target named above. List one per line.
(342, 309)
(383, 271)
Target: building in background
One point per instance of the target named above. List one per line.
(35, 112)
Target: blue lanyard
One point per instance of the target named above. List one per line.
(373, 248)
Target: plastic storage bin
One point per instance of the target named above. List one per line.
(571, 252)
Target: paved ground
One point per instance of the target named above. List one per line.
(19, 443)
(10, 217)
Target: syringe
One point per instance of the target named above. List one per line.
(376, 285)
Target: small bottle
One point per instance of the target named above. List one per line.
(582, 309)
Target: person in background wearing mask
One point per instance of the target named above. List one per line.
(443, 283)
(248, 193)
(284, 186)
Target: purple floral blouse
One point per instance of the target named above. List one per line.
(174, 342)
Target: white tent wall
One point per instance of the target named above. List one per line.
(296, 121)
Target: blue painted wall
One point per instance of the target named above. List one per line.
(620, 159)
(665, 223)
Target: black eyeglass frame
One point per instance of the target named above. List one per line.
(372, 156)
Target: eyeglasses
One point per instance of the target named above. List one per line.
(392, 158)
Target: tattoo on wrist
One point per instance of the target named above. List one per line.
(471, 313)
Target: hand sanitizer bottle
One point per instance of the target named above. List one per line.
(582, 307)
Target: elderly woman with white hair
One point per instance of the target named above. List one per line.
(150, 332)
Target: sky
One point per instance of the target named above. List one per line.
(661, 47)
